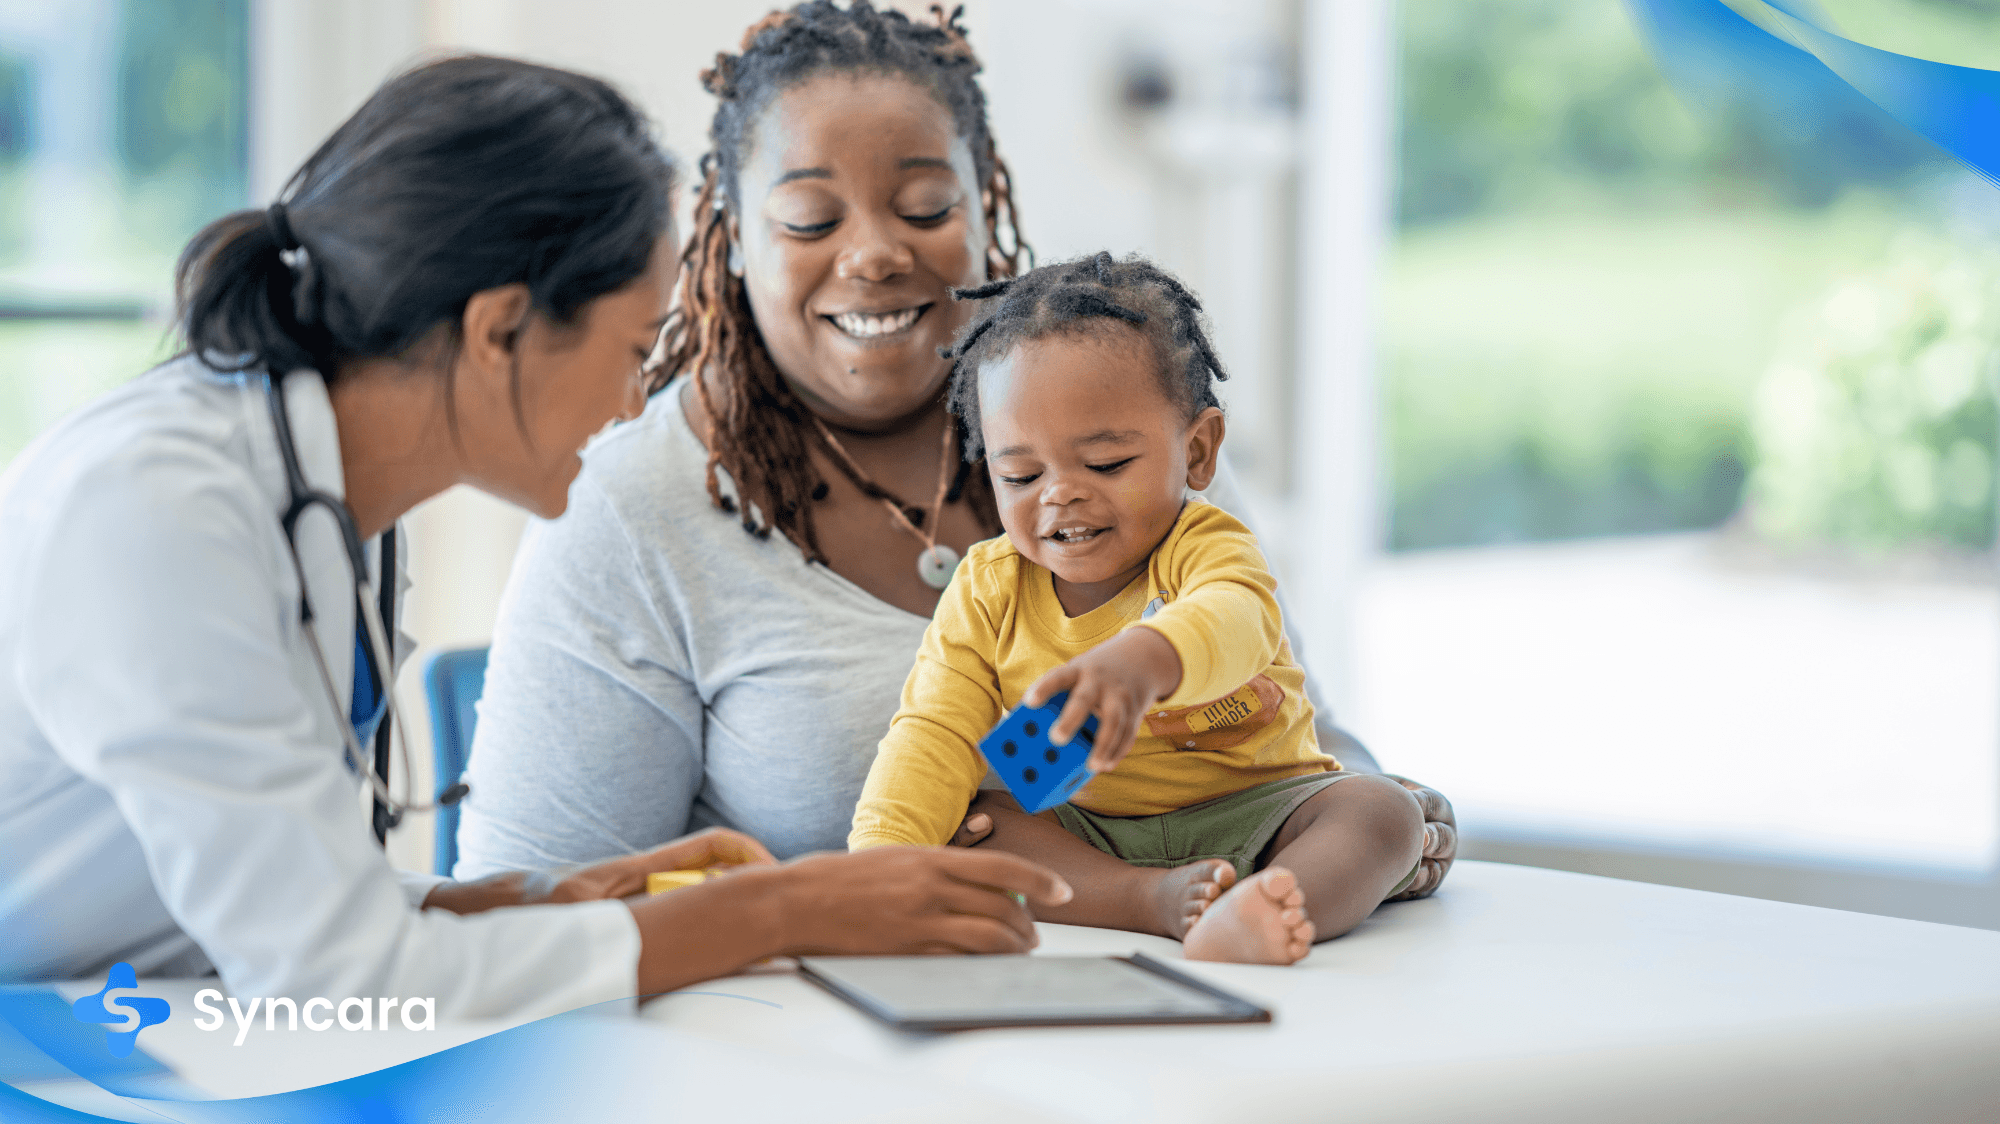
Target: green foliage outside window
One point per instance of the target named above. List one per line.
(1875, 424)
(1591, 274)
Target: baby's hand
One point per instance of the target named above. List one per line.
(1119, 681)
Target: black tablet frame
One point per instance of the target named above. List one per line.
(1240, 1010)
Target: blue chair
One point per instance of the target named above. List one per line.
(453, 681)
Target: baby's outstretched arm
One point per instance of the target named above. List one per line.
(1119, 681)
(1220, 631)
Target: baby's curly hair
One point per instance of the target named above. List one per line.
(1085, 296)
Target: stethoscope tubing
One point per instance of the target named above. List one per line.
(367, 608)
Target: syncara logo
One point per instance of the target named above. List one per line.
(92, 1009)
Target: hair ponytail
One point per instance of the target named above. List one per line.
(235, 293)
(461, 175)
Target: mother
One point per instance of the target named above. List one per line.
(666, 662)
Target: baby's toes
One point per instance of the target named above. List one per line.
(1280, 885)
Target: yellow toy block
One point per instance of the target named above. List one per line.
(660, 882)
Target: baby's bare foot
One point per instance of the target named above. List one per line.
(1261, 921)
(1184, 892)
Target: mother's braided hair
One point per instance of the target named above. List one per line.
(1083, 297)
(758, 429)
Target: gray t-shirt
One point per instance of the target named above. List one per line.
(656, 670)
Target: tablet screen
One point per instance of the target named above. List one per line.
(1001, 990)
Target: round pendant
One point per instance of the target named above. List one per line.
(936, 565)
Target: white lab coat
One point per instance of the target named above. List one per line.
(172, 791)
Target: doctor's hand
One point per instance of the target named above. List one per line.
(890, 900)
(623, 877)
(916, 900)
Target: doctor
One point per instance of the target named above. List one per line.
(459, 287)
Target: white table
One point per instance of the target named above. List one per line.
(1516, 995)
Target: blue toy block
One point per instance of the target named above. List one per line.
(1039, 775)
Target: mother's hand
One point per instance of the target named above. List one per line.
(1440, 840)
(1440, 824)
(973, 831)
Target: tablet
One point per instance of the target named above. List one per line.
(970, 992)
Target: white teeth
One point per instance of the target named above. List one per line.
(862, 326)
(1072, 534)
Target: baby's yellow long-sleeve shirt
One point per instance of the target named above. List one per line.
(1238, 719)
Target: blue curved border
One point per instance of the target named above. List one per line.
(1956, 108)
(538, 1070)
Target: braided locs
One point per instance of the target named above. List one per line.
(1078, 297)
(758, 429)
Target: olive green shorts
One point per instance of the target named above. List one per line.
(1236, 827)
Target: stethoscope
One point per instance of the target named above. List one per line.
(304, 498)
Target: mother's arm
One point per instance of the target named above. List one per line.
(589, 743)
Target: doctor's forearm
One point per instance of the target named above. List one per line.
(478, 897)
(696, 933)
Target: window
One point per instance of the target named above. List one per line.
(1688, 385)
(123, 129)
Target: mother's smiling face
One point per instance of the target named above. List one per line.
(860, 211)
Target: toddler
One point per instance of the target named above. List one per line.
(1212, 815)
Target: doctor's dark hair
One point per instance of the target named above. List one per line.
(758, 430)
(1087, 297)
(460, 175)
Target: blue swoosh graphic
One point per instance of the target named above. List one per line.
(533, 1071)
(1956, 108)
(41, 1040)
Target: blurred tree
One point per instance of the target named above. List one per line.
(1875, 425)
